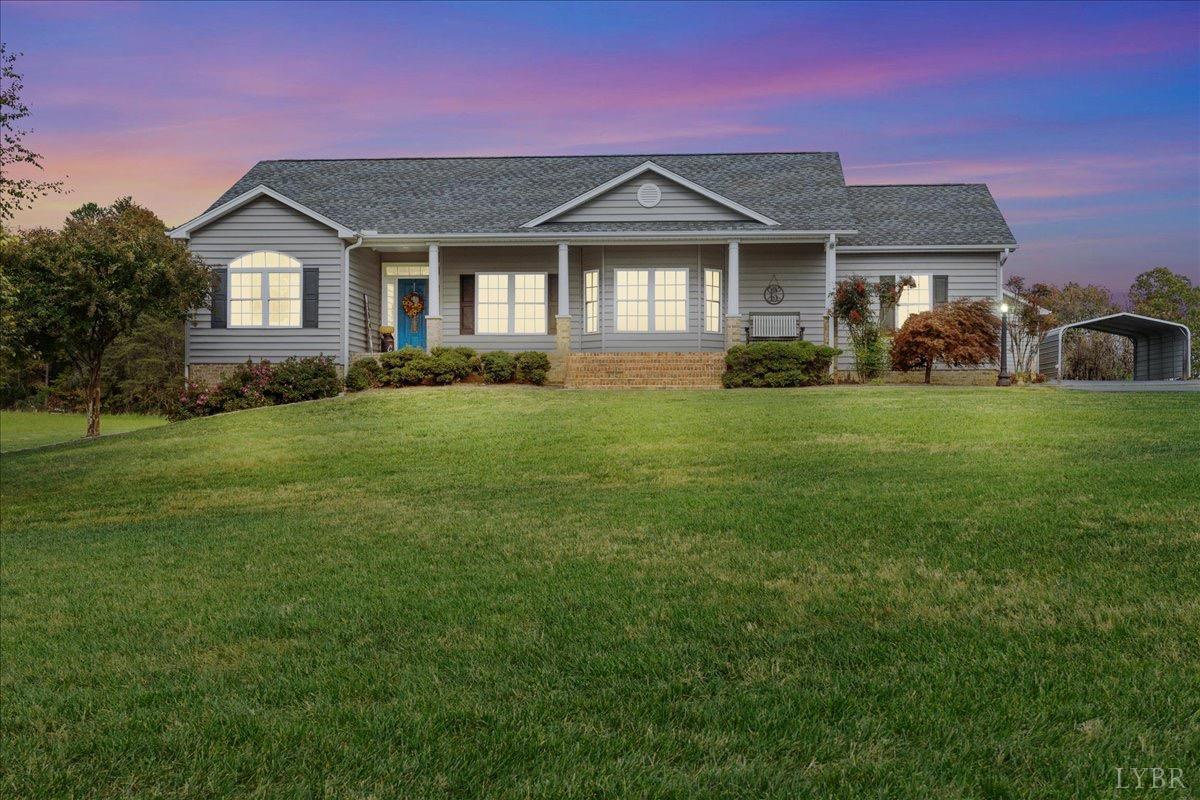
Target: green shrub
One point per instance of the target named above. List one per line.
(299, 379)
(392, 365)
(871, 358)
(777, 364)
(365, 373)
(531, 366)
(498, 367)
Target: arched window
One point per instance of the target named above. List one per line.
(264, 291)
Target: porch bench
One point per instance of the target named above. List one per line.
(773, 326)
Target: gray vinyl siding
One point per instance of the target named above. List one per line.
(266, 224)
(364, 278)
(457, 261)
(799, 269)
(970, 276)
(678, 204)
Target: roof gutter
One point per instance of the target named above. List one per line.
(346, 301)
(927, 248)
(599, 237)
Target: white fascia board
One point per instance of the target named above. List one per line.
(649, 166)
(926, 248)
(184, 231)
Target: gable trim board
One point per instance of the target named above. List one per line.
(641, 169)
(184, 231)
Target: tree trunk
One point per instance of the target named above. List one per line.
(93, 400)
(928, 370)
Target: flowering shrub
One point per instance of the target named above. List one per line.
(253, 385)
(852, 301)
(244, 387)
(193, 402)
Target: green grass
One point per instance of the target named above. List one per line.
(21, 429)
(490, 592)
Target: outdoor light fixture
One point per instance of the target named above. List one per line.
(1003, 378)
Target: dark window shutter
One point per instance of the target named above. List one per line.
(887, 314)
(310, 290)
(551, 302)
(466, 305)
(220, 298)
(941, 290)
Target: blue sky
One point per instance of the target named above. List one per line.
(1084, 119)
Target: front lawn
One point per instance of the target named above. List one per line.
(20, 429)
(501, 592)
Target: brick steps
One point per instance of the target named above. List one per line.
(645, 370)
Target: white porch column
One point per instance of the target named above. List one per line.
(433, 317)
(731, 304)
(735, 333)
(830, 280)
(559, 363)
(564, 285)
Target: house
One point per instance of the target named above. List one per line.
(626, 269)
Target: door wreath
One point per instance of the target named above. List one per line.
(412, 304)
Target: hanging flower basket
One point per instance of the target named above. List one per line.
(413, 304)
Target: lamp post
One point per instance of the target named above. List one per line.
(1003, 378)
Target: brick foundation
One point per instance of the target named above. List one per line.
(645, 370)
(209, 374)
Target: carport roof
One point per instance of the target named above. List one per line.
(1125, 323)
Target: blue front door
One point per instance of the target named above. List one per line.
(410, 331)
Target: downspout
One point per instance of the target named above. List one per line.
(1000, 290)
(346, 301)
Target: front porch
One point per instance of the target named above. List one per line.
(565, 298)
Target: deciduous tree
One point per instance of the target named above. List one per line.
(16, 193)
(1029, 321)
(963, 333)
(1161, 293)
(80, 288)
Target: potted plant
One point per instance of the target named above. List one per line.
(387, 338)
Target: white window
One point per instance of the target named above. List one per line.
(670, 300)
(633, 299)
(914, 299)
(529, 303)
(712, 300)
(651, 300)
(264, 291)
(591, 301)
(388, 312)
(510, 302)
(491, 293)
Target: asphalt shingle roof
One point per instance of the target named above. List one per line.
(927, 214)
(801, 191)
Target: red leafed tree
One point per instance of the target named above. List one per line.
(964, 333)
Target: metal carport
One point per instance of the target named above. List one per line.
(1162, 350)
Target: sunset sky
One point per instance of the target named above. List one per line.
(1084, 119)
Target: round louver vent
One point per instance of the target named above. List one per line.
(649, 195)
